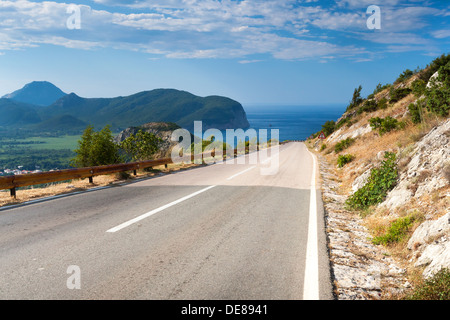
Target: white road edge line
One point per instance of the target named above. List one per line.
(238, 174)
(148, 214)
(311, 282)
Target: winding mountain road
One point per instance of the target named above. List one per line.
(222, 231)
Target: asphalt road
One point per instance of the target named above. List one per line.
(222, 231)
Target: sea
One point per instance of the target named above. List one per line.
(293, 122)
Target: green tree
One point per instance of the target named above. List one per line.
(382, 103)
(404, 76)
(434, 66)
(343, 144)
(418, 87)
(344, 159)
(417, 111)
(398, 94)
(438, 96)
(356, 99)
(385, 125)
(368, 106)
(96, 148)
(83, 153)
(141, 146)
(329, 127)
(380, 88)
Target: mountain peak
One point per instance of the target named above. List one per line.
(41, 93)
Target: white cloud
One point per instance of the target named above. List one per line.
(366, 3)
(239, 29)
(407, 19)
(441, 34)
(396, 38)
(249, 61)
(340, 21)
(284, 29)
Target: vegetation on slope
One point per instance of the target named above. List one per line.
(379, 183)
(399, 114)
(435, 288)
(96, 148)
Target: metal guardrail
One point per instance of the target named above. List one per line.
(23, 180)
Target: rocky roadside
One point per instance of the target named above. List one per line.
(360, 270)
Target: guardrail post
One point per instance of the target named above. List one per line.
(91, 180)
(13, 192)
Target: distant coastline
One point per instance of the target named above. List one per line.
(293, 122)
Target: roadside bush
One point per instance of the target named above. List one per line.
(435, 288)
(372, 105)
(382, 104)
(397, 231)
(385, 124)
(398, 94)
(152, 170)
(329, 127)
(347, 120)
(439, 102)
(211, 143)
(344, 144)
(123, 175)
(418, 87)
(323, 147)
(379, 183)
(344, 159)
(416, 111)
(438, 96)
(368, 106)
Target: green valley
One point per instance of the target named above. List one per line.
(37, 153)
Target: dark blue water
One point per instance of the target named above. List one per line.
(293, 122)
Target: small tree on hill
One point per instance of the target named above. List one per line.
(328, 127)
(141, 146)
(356, 99)
(96, 149)
(438, 96)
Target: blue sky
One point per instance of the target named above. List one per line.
(306, 52)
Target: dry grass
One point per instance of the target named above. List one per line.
(430, 206)
(24, 195)
(378, 223)
(366, 148)
(368, 151)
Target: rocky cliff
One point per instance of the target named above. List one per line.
(369, 259)
(161, 129)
